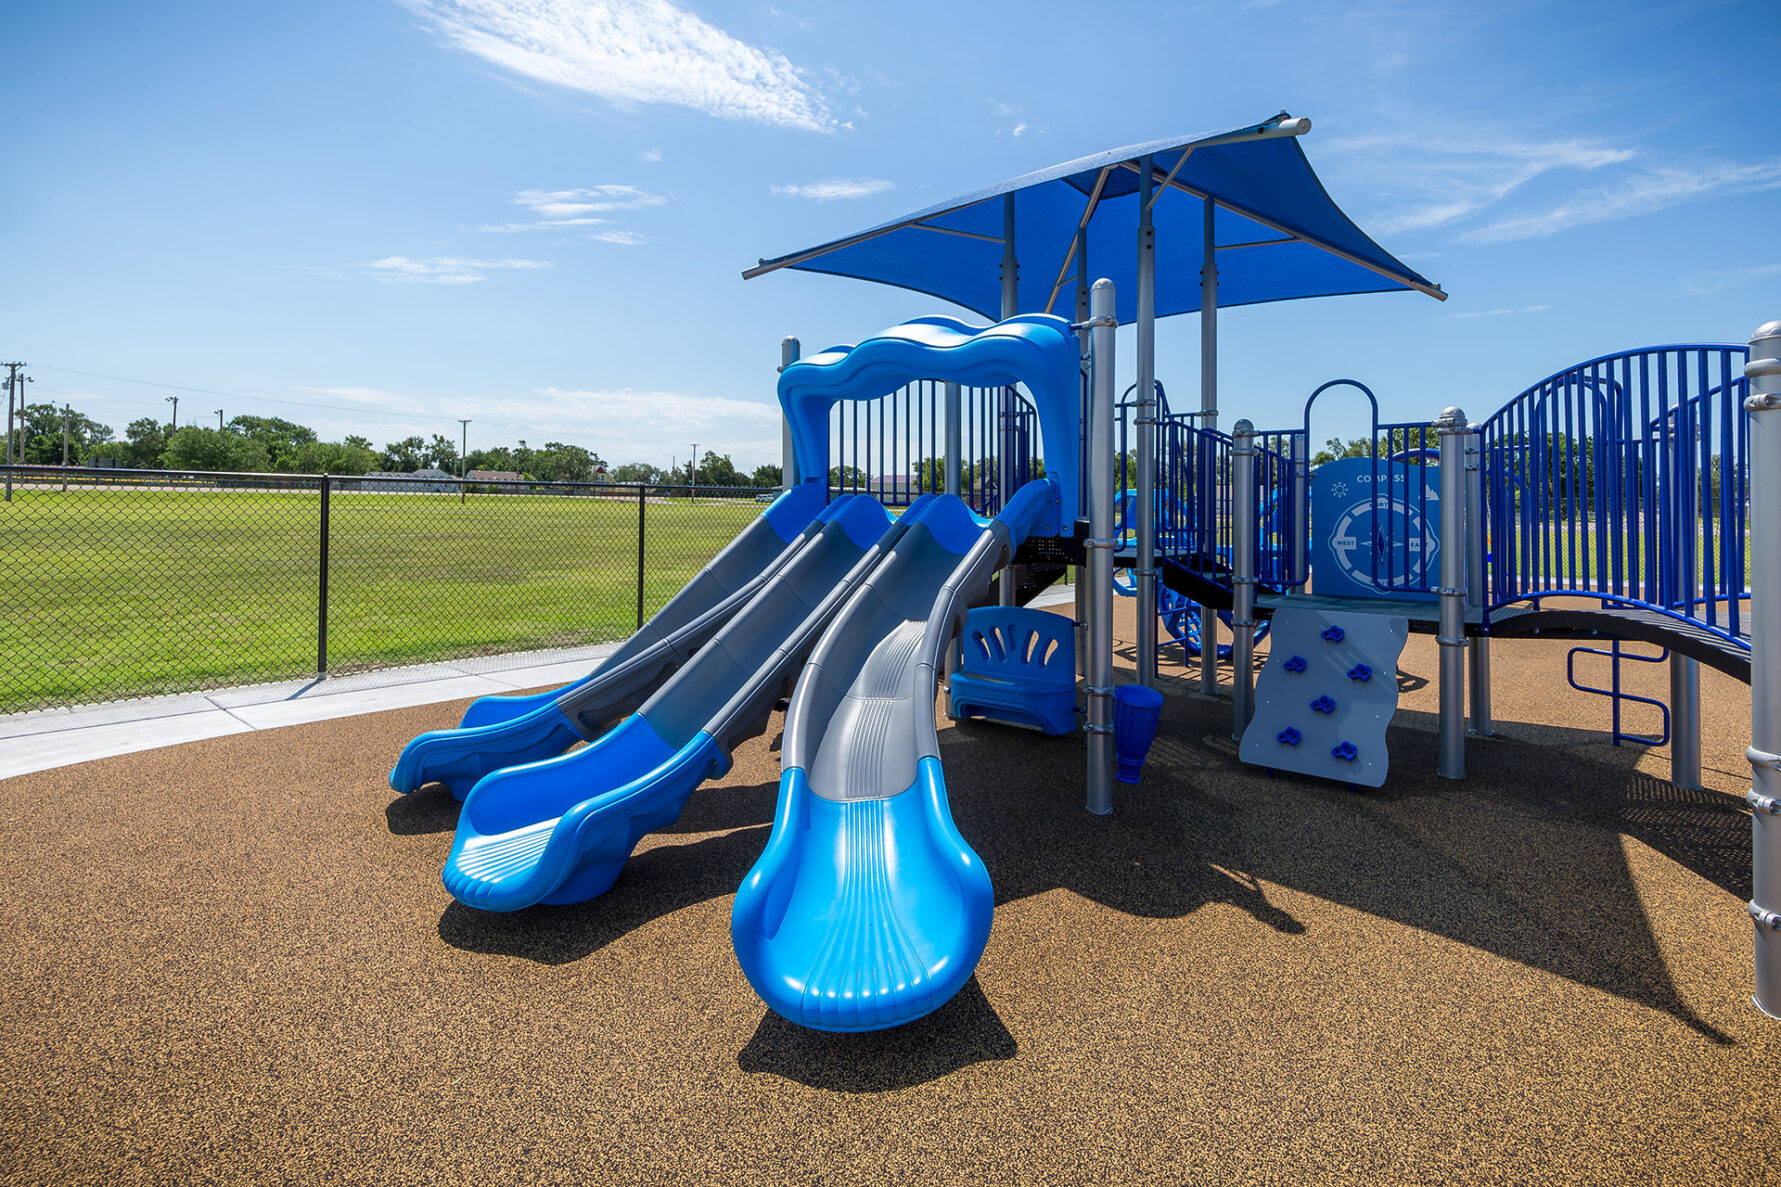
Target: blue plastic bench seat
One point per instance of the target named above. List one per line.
(1017, 665)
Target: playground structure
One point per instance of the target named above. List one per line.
(1609, 501)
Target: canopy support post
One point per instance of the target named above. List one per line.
(1101, 543)
(1145, 518)
(1245, 524)
(1010, 306)
(789, 351)
(1450, 760)
(1080, 252)
(1208, 494)
(1763, 378)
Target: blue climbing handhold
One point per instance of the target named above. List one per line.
(1295, 664)
(1360, 672)
(1289, 736)
(1345, 752)
(1335, 634)
(1323, 705)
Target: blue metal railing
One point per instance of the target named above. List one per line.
(894, 448)
(1617, 695)
(1624, 479)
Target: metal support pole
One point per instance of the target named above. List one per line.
(321, 604)
(1451, 758)
(789, 353)
(1475, 591)
(1245, 520)
(12, 376)
(1100, 551)
(1010, 305)
(1144, 574)
(1209, 421)
(955, 452)
(1301, 516)
(1685, 722)
(1763, 372)
(641, 489)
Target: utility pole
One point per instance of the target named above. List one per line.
(67, 414)
(174, 400)
(463, 444)
(693, 476)
(13, 380)
(219, 420)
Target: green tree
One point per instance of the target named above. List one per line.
(42, 436)
(358, 442)
(558, 462)
(194, 448)
(278, 436)
(146, 442)
(716, 469)
(442, 453)
(328, 457)
(768, 476)
(404, 456)
(637, 472)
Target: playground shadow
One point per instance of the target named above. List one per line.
(429, 809)
(1526, 861)
(965, 1031)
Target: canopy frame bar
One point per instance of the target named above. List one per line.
(1088, 213)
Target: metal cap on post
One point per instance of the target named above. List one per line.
(1245, 520)
(1763, 404)
(1101, 542)
(789, 353)
(1450, 761)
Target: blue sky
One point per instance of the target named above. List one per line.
(378, 216)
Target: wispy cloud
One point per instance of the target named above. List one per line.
(633, 52)
(1705, 284)
(650, 156)
(1645, 192)
(1435, 184)
(1497, 312)
(623, 238)
(443, 269)
(837, 188)
(558, 209)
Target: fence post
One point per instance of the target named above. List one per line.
(1100, 544)
(641, 488)
(1763, 375)
(321, 606)
(1245, 520)
(1450, 762)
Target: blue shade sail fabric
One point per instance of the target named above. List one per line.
(1279, 235)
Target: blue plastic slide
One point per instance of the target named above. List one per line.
(560, 830)
(868, 909)
(504, 731)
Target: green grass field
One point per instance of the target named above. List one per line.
(122, 592)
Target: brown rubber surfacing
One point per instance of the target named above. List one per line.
(233, 961)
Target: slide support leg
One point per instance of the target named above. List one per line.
(1100, 553)
(1685, 722)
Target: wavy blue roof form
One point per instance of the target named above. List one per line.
(1279, 235)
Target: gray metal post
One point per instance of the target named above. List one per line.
(11, 382)
(1451, 757)
(955, 452)
(789, 352)
(1246, 516)
(1010, 305)
(1100, 552)
(1685, 722)
(1301, 503)
(1476, 532)
(1144, 520)
(1764, 797)
(1209, 420)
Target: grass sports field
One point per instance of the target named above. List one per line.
(124, 591)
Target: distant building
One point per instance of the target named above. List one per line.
(427, 481)
(496, 476)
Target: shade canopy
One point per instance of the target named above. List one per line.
(1279, 236)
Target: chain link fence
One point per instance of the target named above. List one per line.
(125, 583)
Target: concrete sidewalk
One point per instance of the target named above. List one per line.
(48, 738)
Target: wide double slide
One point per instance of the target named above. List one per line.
(867, 908)
(559, 830)
(504, 731)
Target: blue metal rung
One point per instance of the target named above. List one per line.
(1616, 694)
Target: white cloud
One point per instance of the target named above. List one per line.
(625, 238)
(837, 188)
(556, 210)
(1498, 312)
(650, 156)
(443, 269)
(1019, 129)
(1649, 190)
(1705, 284)
(632, 52)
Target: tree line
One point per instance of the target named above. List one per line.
(271, 444)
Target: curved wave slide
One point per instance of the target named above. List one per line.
(560, 830)
(868, 909)
(504, 731)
